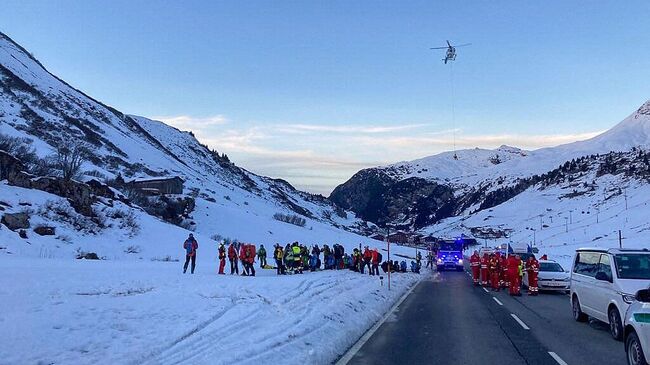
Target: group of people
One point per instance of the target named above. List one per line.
(496, 271)
(295, 258)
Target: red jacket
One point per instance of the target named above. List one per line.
(475, 260)
(513, 265)
(367, 254)
(232, 253)
(532, 265)
(375, 257)
(248, 253)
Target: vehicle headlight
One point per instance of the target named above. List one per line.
(628, 298)
(440, 261)
(566, 279)
(460, 261)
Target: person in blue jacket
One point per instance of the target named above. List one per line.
(415, 267)
(402, 266)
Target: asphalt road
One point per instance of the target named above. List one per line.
(446, 320)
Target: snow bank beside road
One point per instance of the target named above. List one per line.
(84, 312)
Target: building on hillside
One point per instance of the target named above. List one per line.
(171, 185)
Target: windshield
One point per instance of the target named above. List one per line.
(551, 267)
(633, 266)
(449, 246)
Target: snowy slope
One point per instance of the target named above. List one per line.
(35, 104)
(475, 165)
(473, 176)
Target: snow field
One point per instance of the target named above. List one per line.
(106, 312)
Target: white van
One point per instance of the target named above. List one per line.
(604, 282)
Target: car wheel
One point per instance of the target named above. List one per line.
(634, 351)
(577, 312)
(615, 325)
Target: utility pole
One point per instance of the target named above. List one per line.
(388, 247)
(566, 224)
(620, 239)
(571, 216)
(541, 222)
(625, 195)
(597, 213)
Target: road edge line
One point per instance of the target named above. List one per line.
(521, 323)
(343, 360)
(557, 358)
(498, 301)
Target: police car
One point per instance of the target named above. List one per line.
(637, 329)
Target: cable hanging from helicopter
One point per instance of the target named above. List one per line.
(450, 56)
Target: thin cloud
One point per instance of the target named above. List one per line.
(469, 141)
(364, 129)
(192, 123)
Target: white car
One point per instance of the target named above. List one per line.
(637, 330)
(551, 277)
(604, 283)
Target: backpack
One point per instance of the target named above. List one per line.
(379, 257)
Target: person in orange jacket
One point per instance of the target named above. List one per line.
(247, 256)
(485, 270)
(532, 267)
(475, 265)
(495, 271)
(375, 262)
(233, 258)
(514, 262)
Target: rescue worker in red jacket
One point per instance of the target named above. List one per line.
(514, 262)
(233, 258)
(532, 267)
(375, 262)
(475, 265)
(247, 256)
(367, 259)
(504, 281)
(495, 271)
(485, 270)
(222, 258)
(190, 245)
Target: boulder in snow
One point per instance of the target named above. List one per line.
(15, 221)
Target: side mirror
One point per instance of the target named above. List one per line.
(643, 296)
(601, 275)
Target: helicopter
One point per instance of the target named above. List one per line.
(451, 51)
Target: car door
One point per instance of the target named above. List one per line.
(603, 290)
(584, 278)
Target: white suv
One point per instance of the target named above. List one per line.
(604, 283)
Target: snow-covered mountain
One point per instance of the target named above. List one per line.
(45, 113)
(417, 194)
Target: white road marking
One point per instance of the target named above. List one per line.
(357, 346)
(519, 321)
(557, 358)
(485, 290)
(497, 300)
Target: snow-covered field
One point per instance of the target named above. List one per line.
(118, 312)
(133, 308)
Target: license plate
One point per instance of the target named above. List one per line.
(554, 284)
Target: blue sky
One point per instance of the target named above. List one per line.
(312, 91)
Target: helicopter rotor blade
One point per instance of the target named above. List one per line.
(463, 45)
(449, 44)
(439, 48)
